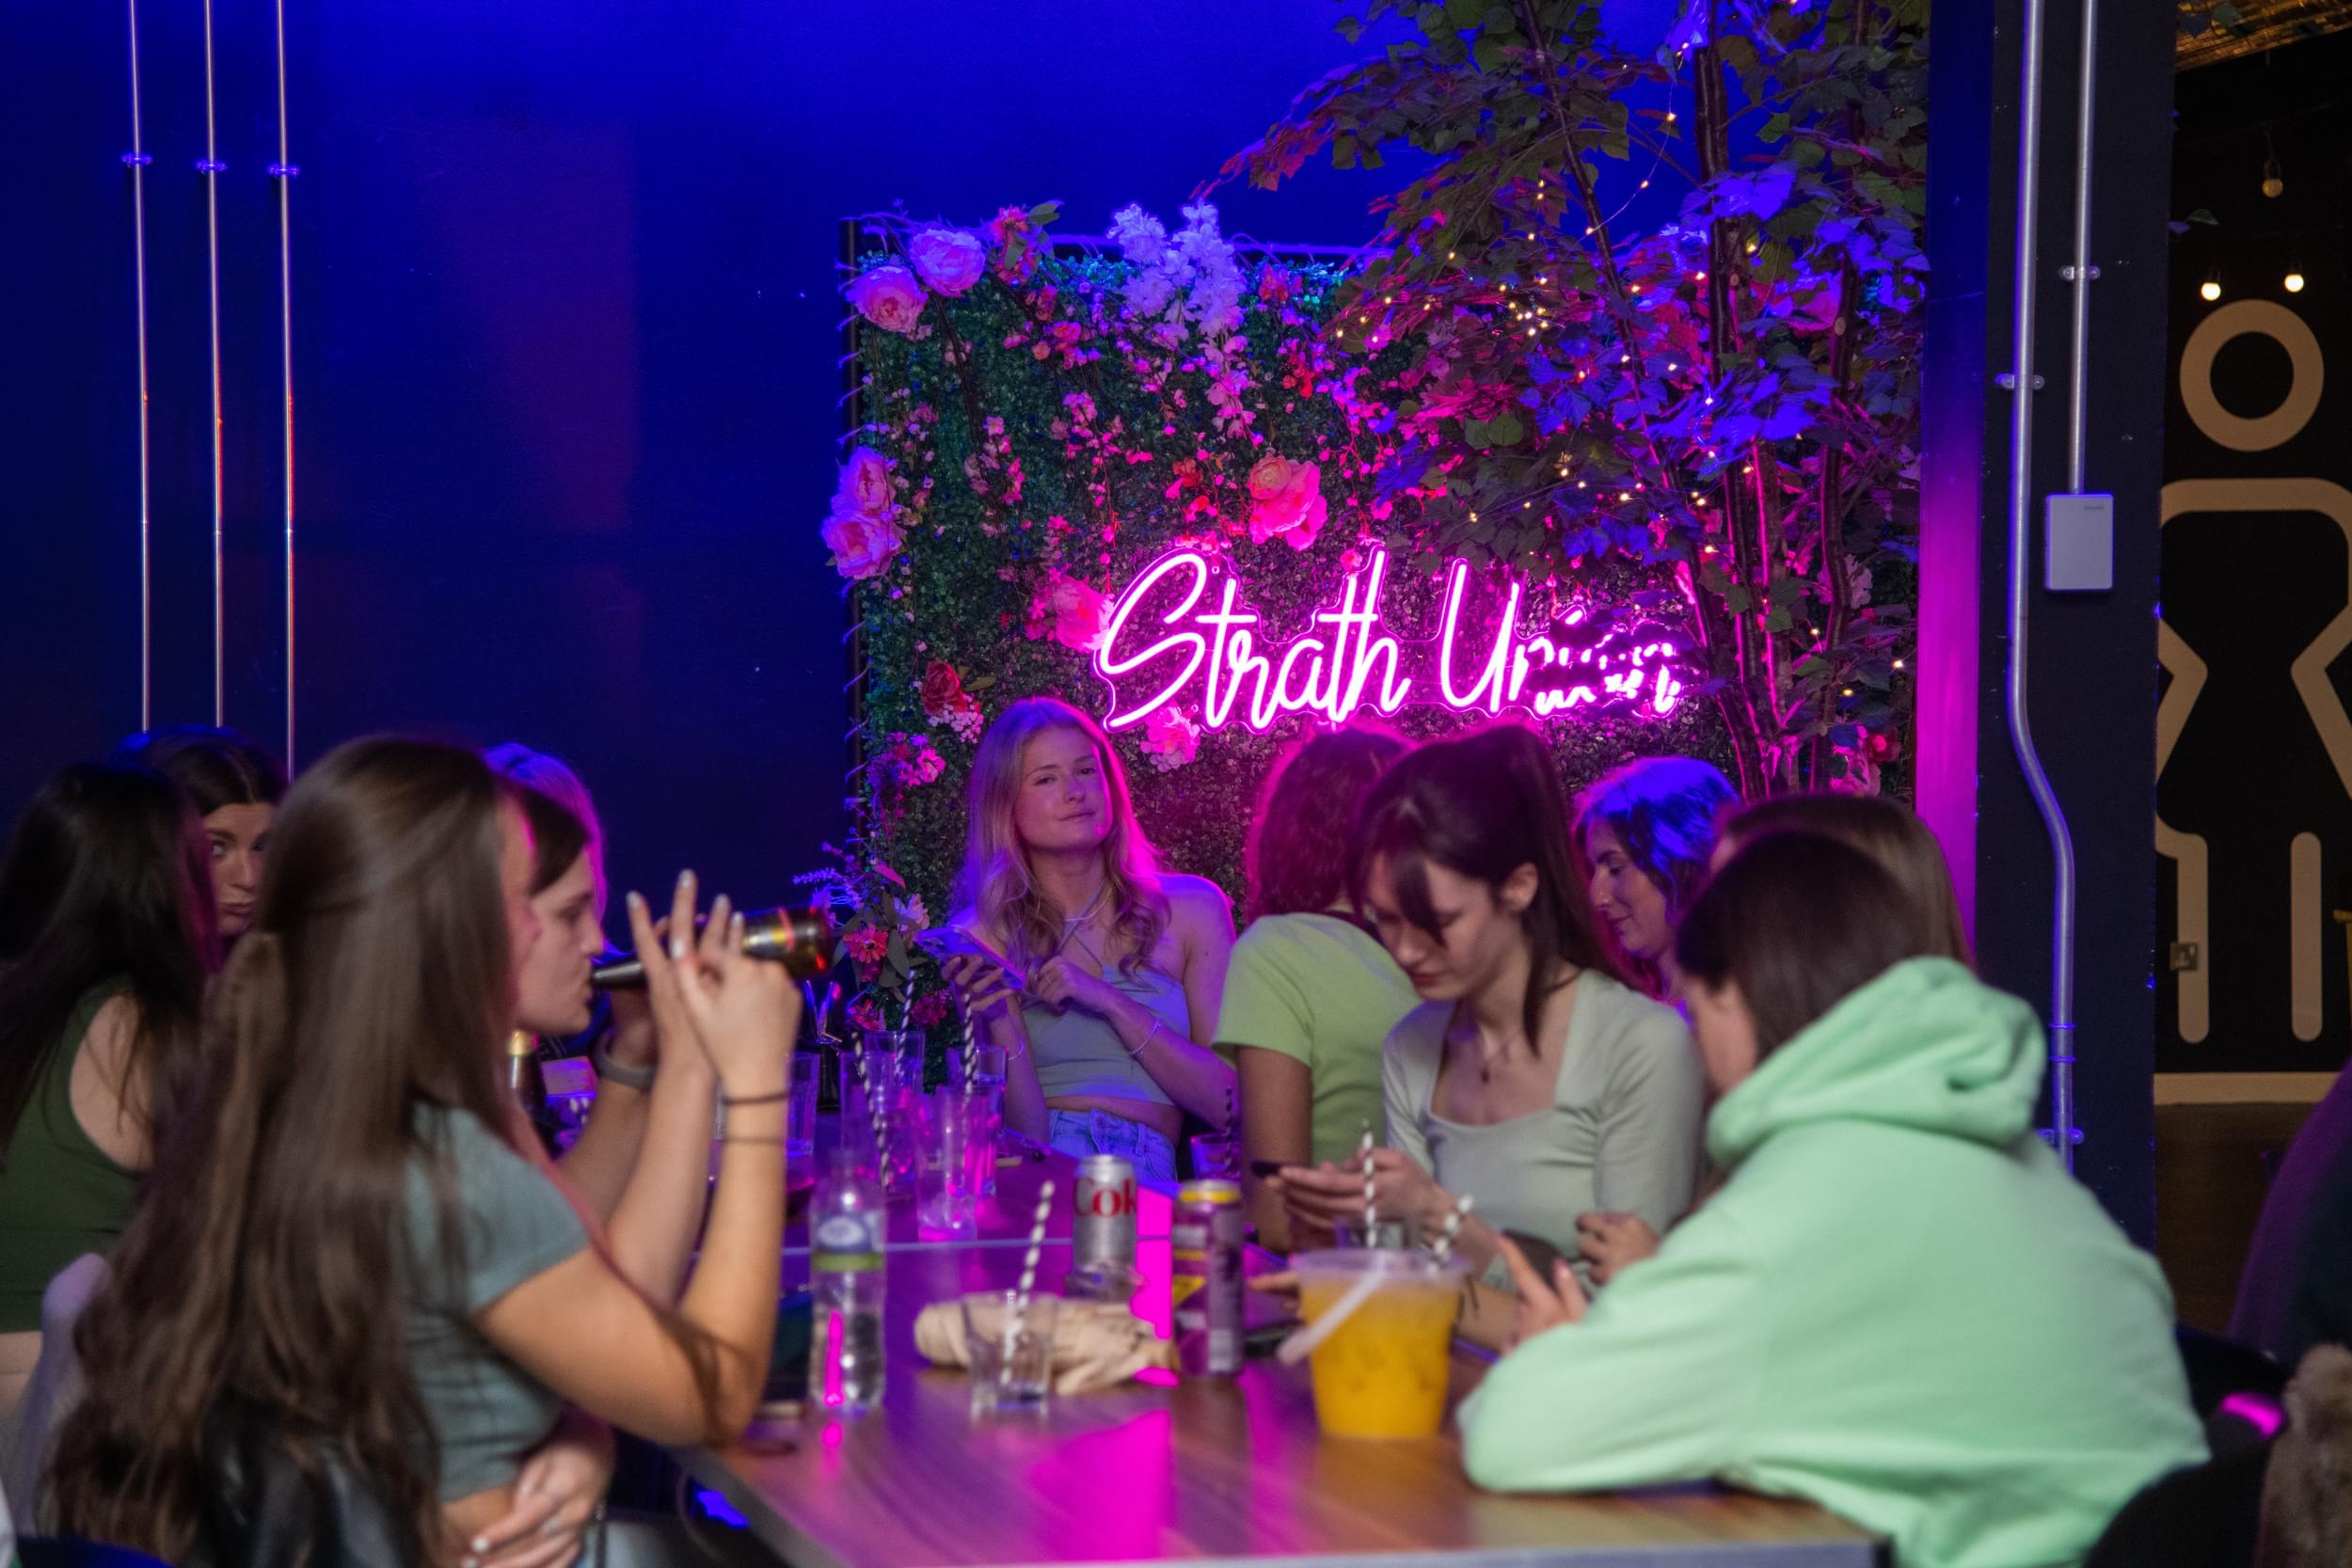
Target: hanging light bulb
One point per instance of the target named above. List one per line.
(2210, 290)
(2293, 283)
(2272, 186)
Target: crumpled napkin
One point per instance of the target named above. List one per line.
(1096, 1343)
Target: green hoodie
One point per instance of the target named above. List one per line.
(1898, 1307)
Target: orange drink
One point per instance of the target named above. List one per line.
(1381, 1372)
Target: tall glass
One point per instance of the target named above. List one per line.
(880, 1119)
(1382, 1370)
(946, 1196)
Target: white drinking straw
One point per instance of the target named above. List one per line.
(1444, 1244)
(970, 1053)
(1372, 1215)
(1014, 1329)
(1302, 1344)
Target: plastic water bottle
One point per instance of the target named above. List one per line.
(846, 1227)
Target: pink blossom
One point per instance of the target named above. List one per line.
(1294, 512)
(862, 545)
(865, 489)
(888, 295)
(948, 259)
(1169, 738)
(1069, 613)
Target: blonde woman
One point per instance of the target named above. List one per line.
(1124, 967)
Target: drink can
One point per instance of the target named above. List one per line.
(1206, 1282)
(1103, 1228)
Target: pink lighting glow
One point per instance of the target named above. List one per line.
(1214, 652)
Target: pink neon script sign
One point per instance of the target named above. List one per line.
(1209, 642)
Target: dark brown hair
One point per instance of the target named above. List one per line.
(107, 878)
(214, 767)
(1887, 832)
(1483, 805)
(1798, 922)
(558, 837)
(1297, 857)
(253, 1277)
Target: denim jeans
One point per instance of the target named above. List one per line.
(1079, 1133)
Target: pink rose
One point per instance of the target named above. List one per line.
(948, 260)
(1169, 738)
(1268, 478)
(1069, 613)
(1295, 513)
(888, 295)
(862, 547)
(865, 484)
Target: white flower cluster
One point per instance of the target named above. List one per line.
(1189, 282)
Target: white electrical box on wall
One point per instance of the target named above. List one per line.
(2079, 543)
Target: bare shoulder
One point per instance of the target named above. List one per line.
(1199, 906)
(113, 1029)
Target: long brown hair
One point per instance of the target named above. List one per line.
(1887, 832)
(1798, 922)
(255, 1272)
(105, 879)
(1296, 859)
(1483, 805)
(996, 883)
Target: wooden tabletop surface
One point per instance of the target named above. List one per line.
(1230, 1471)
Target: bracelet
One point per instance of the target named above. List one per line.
(610, 1072)
(750, 1138)
(776, 1098)
(1149, 1035)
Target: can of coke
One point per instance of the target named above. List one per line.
(1103, 1227)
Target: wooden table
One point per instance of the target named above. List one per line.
(1226, 1471)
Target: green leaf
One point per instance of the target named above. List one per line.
(1774, 129)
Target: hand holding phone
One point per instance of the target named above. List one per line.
(952, 942)
(1541, 1255)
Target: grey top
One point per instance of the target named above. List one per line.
(1622, 1134)
(1079, 1052)
(486, 1411)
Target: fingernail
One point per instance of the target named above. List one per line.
(470, 1562)
(636, 901)
(677, 949)
(480, 1542)
(738, 924)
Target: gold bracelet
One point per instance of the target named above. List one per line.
(1148, 1035)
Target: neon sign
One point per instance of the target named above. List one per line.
(1208, 641)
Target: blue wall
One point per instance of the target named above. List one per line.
(564, 342)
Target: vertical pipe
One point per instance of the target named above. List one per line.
(283, 172)
(211, 168)
(2078, 347)
(136, 160)
(2020, 549)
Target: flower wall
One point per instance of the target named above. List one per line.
(1041, 423)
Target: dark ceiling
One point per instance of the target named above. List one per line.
(2213, 32)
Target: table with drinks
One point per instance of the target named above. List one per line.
(1222, 1458)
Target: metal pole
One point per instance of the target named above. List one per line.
(136, 160)
(283, 172)
(2020, 550)
(211, 168)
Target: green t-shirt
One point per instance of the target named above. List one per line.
(1318, 988)
(486, 1411)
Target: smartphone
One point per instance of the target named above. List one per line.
(950, 942)
(1541, 1255)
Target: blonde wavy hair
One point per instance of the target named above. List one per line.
(997, 886)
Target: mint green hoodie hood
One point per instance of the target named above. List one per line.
(1898, 1307)
(1926, 1046)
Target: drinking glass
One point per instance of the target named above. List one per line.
(884, 1147)
(945, 1196)
(1018, 1384)
(800, 1121)
(1380, 1368)
(1396, 1234)
(1215, 1157)
(985, 1105)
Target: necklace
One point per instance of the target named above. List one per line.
(1080, 919)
